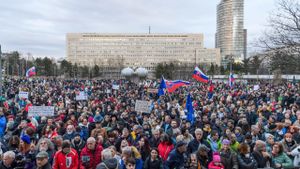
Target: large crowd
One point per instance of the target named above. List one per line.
(234, 127)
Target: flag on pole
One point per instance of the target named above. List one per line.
(200, 76)
(162, 87)
(175, 84)
(231, 80)
(30, 72)
(190, 109)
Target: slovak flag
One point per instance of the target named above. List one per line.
(175, 84)
(200, 76)
(231, 80)
(31, 72)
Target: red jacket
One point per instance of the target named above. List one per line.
(60, 160)
(89, 159)
(164, 149)
(213, 166)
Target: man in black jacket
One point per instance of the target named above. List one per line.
(8, 160)
(197, 141)
(262, 157)
(176, 158)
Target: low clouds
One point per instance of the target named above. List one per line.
(39, 27)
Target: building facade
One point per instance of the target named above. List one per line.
(138, 50)
(231, 36)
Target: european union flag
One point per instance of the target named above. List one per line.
(162, 86)
(190, 109)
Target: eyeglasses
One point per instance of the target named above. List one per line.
(43, 143)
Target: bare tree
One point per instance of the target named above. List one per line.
(284, 28)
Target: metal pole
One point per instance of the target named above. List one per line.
(0, 72)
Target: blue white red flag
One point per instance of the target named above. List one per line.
(31, 72)
(200, 76)
(175, 84)
(231, 80)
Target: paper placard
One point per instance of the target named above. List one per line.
(81, 96)
(41, 111)
(116, 87)
(152, 90)
(23, 95)
(255, 87)
(108, 91)
(142, 106)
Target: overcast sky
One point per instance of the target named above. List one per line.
(40, 26)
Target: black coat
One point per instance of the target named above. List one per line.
(47, 166)
(261, 161)
(175, 160)
(229, 160)
(247, 162)
(194, 145)
(156, 164)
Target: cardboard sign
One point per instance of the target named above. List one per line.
(108, 91)
(81, 96)
(255, 87)
(152, 90)
(116, 87)
(23, 95)
(41, 111)
(142, 106)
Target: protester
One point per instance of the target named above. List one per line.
(225, 118)
(42, 161)
(8, 160)
(176, 158)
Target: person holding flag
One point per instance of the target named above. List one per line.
(190, 109)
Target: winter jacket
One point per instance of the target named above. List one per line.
(89, 159)
(78, 146)
(296, 154)
(194, 145)
(138, 164)
(213, 166)
(229, 159)
(66, 161)
(175, 160)
(262, 162)
(284, 160)
(215, 145)
(109, 164)
(246, 162)
(46, 166)
(69, 136)
(164, 149)
(288, 147)
(156, 164)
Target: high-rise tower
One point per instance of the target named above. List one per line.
(231, 36)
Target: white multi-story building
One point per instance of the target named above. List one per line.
(138, 50)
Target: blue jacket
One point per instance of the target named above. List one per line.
(2, 125)
(175, 160)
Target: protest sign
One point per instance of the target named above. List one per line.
(255, 87)
(142, 106)
(149, 90)
(81, 96)
(23, 95)
(115, 87)
(41, 111)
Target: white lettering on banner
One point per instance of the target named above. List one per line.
(142, 106)
(41, 111)
(81, 96)
(23, 95)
